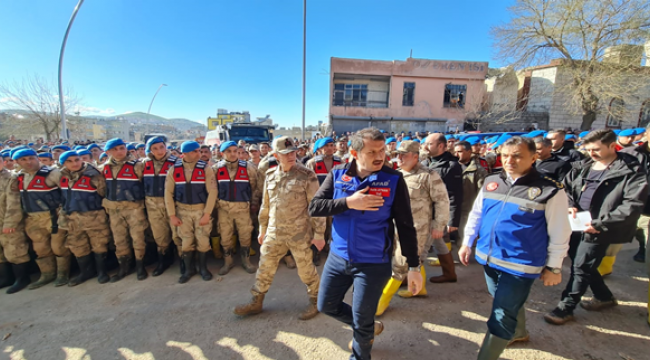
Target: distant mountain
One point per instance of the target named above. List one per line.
(140, 117)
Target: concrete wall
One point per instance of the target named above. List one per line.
(542, 85)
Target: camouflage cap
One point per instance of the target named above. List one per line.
(409, 146)
(284, 145)
(253, 147)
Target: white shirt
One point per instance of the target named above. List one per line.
(557, 225)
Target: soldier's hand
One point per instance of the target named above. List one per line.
(8, 231)
(464, 254)
(205, 220)
(364, 202)
(260, 238)
(437, 234)
(175, 220)
(320, 244)
(415, 282)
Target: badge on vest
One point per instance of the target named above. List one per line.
(534, 192)
(383, 192)
(491, 186)
(346, 178)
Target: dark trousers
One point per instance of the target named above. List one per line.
(510, 293)
(368, 281)
(586, 258)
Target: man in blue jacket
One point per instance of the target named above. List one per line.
(367, 200)
(521, 222)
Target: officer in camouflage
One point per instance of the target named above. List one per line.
(156, 166)
(286, 225)
(430, 208)
(239, 196)
(83, 188)
(13, 243)
(124, 204)
(190, 196)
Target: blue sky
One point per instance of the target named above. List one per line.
(237, 55)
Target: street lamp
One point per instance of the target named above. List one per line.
(151, 103)
(64, 128)
(304, 62)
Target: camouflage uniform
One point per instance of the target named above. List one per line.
(127, 218)
(285, 221)
(329, 164)
(13, 247)
(429, 197)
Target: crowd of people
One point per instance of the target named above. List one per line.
(380, 202)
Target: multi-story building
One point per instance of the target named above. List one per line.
(411, 95)
(225, 117)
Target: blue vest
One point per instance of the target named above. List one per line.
(82, 195)
(190, 192)
(364, 236)
(38, 196)
(126, 186)
(513, 234)
(237, 189)
(154, 184)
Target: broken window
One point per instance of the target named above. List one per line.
(409, 94)
(615, 113)
(455, 95)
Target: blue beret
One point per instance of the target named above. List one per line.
(92, 146)
(5, 154)
(22, 153)
(222, 148)
(189, 146)
(535, 133)
(627, 132)
(130, 147)
(103, 155)
(30, 144)
(139, 146)
(502, 139)
(169, 147)
(583, 134)
(45, 155)
(570, 137)
(112, 143)
(16, 149)
(405, 138)
(66, 155)
(417, 140)
(79, 147)
(349, 142)
(473, 140)
(322, 142)
(152, 141)
(382, 131)
(61, 147)
(390, 140)
(483, 142)
(639, 131)
(317, 144)
(617, 131)
(84, 152)
(448, 137)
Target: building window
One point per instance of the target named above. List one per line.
(644, 116)
(409, 94)
(455, 95)
(615, 113)
(350, 95)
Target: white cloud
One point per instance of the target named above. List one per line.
(8, 99)
(89, 110)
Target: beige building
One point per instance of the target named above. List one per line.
(411, 95)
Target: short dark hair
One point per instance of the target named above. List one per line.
(519, 140)
(371, 133)
(544, 141)
(558, 131)
(205, 147)
(605, 136)
(466, 145)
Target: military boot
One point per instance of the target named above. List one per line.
(140, 270)
(22, 277)
(182, 264)
(315, 258)
(228, 264)
(252, 308)
(245, 260)
(206, 275)
(288, 260)
(521, 334)
(492, 347)
(85, 270)
(311, 311)
(62, 270)
(100, 265)
(48, 272)
(6, 275)
(188, 260)
(161, 266)
(124, 268)
(448, 270)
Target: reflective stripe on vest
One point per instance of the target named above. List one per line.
(237, 189)
(38, 196)
(154, 184)
(193, 191)
(526, 269)
(127, 181)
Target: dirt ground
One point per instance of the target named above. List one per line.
(161, 319)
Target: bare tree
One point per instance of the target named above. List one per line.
(39, 100)
(578, 32)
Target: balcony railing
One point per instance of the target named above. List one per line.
(360, 98)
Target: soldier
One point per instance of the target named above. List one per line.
(85, 155)
(430, 208)
(46, 159)
(205, 154)
(216, 154)
(242, 154)
(473, 177)
(57, 150)
(286, 225)
(322, 165)
(13, 243)
(156, 166)
(264, 149)
(239, 196)
(140, 151)
(254, 152)
(341, 147)
(130, 148)
(40, 199)
(102, 158)
(302, 151)
(7, 161)
(190, 196)
(83, 187)
(96, 151)
(124, 204)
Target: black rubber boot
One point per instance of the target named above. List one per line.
(206, 275)
(182, 263)
(315, 255)
(86, 270)
(188, 259)
(100, 264)
(22, 277)
(162, 264)
(125, 263)
(6, 275)
(140, 270)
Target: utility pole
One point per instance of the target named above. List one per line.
(304, 62)
(64, 127)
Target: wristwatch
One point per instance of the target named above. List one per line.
(554, 270)
(417, 268)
